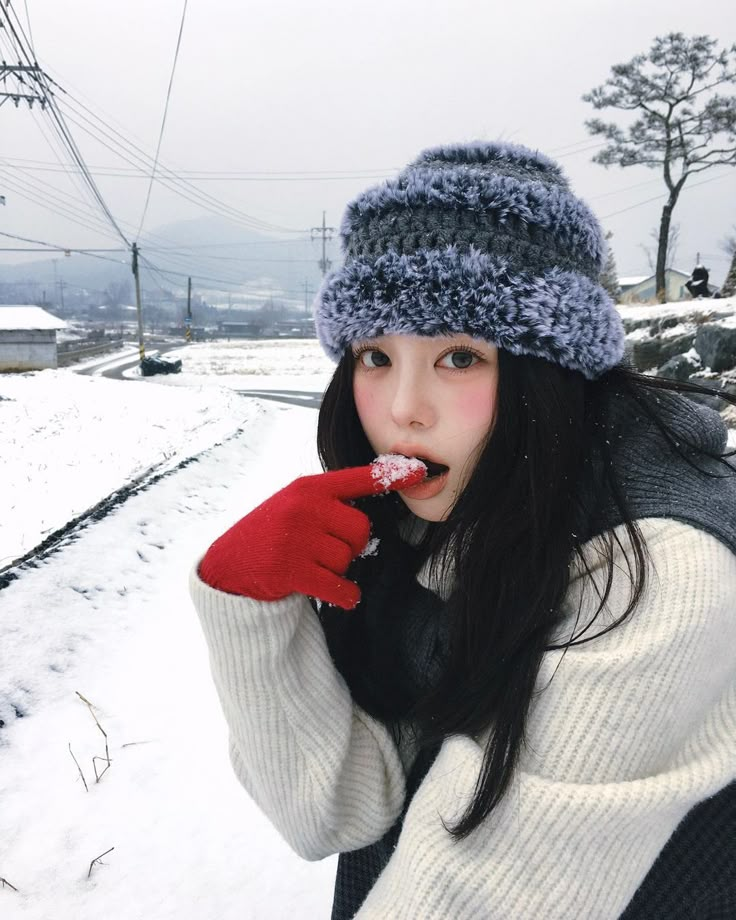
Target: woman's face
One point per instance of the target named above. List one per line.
(431, 397)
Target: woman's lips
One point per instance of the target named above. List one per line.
(428, 488)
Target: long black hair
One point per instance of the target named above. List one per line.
(507, 544)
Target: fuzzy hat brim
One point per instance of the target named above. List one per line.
(561, 316)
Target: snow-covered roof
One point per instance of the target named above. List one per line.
(22, 317)
(634, 280)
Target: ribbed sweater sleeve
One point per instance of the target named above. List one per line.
(327, 775)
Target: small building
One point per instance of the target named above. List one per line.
(643, 289)
(626, 284)
(297, 328)
(27, 338)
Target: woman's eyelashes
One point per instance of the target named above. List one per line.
(371, 358)
(460, 359)
(456, 359)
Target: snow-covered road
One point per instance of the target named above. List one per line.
(109, 616)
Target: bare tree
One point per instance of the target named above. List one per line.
(117, 292)
(673, 239)
(682, 127)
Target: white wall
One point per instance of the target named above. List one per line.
(23, 350)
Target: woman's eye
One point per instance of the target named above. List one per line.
(373, 359)
(458, 360)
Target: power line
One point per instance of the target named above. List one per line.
(26, 239)
(70, 206)
(166, 176)
(252, 294)
(57, 119)
(30, 31)
(163, 120)
(181, 187)
(686, 188)
(60, 209)
(376, 173)
(219, 176)
(162, 271)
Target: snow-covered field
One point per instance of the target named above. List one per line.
(268, 364)
(68, 441)
(109, 617)
(290, 357)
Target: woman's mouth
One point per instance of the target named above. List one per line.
(437, 474)
(433, 469)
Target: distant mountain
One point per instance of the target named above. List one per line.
(219, 255)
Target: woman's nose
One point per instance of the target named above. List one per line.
(412, 404)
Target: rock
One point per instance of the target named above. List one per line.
(679, 367)
(630, 325)
(729, 416)
(720, 384)
(647, 353)
(716, 346)
(666, 322)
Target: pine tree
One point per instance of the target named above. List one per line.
(683, 125)
(609, 275)
(729, 285)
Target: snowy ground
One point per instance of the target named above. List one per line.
(109, 616)
(268, 364)
(68, 441)
(725, 305)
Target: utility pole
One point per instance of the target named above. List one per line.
(326, 234)
(24, 75)
(136, 275)
(188, 331)
(306, 297)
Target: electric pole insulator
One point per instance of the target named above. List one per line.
(326, 233)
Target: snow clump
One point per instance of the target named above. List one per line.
(390, 468)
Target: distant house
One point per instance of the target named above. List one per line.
(626, 284)
(642, 288)
(27, 338)
(296, 328)
(238, 330)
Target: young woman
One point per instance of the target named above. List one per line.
(495, 669)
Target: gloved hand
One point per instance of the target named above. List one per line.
(304, 537)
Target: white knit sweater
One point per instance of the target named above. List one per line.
(630, 732)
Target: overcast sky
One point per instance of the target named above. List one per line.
(344, 89)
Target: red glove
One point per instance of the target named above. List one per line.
(304, 537)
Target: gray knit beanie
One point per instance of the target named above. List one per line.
(481, 238)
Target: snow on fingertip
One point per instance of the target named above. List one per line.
(388, 469)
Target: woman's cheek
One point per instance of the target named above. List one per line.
(367, 407)
(475, 408)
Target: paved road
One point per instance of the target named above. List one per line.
(311, 399)
(115, 371)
